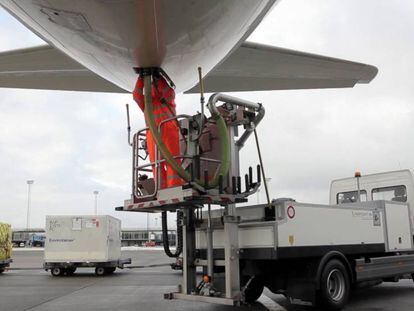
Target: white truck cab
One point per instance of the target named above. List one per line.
(395, 186)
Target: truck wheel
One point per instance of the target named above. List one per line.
(253, 290)
(100, 271)
(334, 286)
(56, 271)
(1, 270)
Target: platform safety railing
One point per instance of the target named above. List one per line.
(150, 167)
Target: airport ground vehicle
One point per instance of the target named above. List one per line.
(5, 246)
(311, 253)
(37, 240)
(22, 237)
(83, 241)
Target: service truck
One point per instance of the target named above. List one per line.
(312, 253)
(37, 240)
(315, 253)
(5, 246)
(83, 241)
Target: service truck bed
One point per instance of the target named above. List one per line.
(303, 230)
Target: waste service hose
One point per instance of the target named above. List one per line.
(179, 235)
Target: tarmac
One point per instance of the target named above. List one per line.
(27, 287)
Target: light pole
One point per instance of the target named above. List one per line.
(96, 192)
(29, 184)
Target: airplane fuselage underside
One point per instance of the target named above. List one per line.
(112, 37)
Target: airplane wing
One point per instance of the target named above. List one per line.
(257, 67)
(44, 67)
(251, 67)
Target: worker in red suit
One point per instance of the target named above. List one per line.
(163, 103)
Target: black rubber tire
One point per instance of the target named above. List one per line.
(100, 271)
(254, 290)
(335, 286)
(56, 271)
(110, 270)
(1, 270)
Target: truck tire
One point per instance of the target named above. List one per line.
(334, 286)
(1, 270)
(254, 290)
(100, 271)
(56, 271)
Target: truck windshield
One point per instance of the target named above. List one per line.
(350, 197)
(393, 193)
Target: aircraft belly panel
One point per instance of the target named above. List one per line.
(112, 37)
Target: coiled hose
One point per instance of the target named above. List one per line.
(165, 239)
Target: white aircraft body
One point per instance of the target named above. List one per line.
(94, 45)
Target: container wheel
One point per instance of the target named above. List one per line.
(100, 271)
(56, 271)
(334, 286)
(253, 289)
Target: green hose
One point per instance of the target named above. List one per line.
(222, 129)
(224, 147)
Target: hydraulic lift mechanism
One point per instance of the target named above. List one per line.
(209, 165)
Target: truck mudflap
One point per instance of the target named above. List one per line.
(301, 291)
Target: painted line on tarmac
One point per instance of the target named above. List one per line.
(270, 304)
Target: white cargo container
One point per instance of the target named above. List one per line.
(82, 241)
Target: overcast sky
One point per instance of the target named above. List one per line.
(74, 143)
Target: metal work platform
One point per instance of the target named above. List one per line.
(209, 168)
(171, 199)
